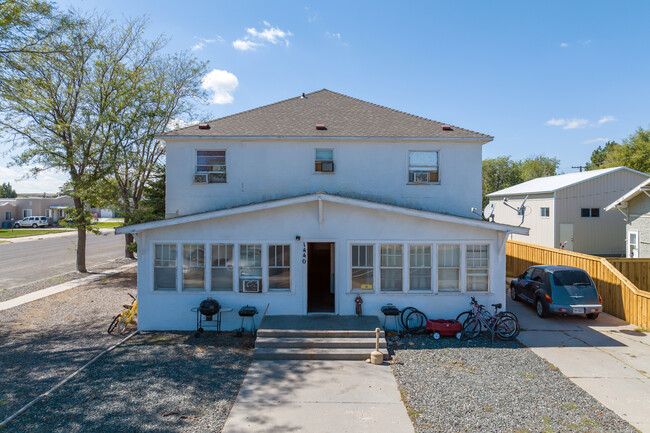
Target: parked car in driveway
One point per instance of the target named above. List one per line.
(33, 221)
(558, 290)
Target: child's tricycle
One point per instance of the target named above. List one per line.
(442, 327)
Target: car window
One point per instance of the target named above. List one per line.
(571, 278)
(526, 275)
(537, 274)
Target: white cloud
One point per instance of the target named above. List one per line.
(564, 45)
(606, 119)
(587, 42)
(245, 45)
(333, 35)
(179, 124)
(596, 140)
(203, 42)
(568, 123)
(257, 38)
(221, 84)
(46, 181)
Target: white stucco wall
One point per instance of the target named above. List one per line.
(262, 170)
(343, 225)
(639, 222)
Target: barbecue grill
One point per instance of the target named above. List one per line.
(207, 309)
(247, 312)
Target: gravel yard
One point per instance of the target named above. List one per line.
(44, 341)
(14, 292)
(454, 386)
(155, 382)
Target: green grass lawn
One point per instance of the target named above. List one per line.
(108, 225)
(19, 233)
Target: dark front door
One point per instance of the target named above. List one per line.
(320, 277)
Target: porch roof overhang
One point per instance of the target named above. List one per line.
(322, 197)
(621, 203)
(59, 207)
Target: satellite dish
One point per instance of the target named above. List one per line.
(488, 212)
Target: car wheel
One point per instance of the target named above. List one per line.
(34, 226)
(513, 293)
(592, 316)
(16, 226)
(541, 308)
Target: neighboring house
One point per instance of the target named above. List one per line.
(305, 204)
(635, 206)
(54, 208)
(566, 211)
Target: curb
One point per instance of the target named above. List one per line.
(50, 236)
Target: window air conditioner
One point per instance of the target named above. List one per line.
(200, 178)
(421, 177)
(251, 286)
(327, 166)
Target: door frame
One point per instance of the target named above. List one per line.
(627, 243)
(304, 246)
(572, 235)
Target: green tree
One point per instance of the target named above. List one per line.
(165, 89)
(633, 152)
(63, 109)
(26, 26)
(6, 191)
(499, 173)
(538, 166)
(601, 154)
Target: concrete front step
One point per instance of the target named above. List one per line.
(319, 342)
(340, 354)
(299, 333)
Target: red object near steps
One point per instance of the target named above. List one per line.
(446, 328)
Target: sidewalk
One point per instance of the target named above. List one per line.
(606, 357)
(49, 236)
(318, 397)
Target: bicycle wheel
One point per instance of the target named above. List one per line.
(506, 328)
(113, 324)
(462, 317)
(415, 319)
(508, 314)
(121, 325)
(471, 328)
(404, 314)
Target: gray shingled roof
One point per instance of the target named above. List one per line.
(342, 115)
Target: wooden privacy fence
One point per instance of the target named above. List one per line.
(621, 298)
(636, 270)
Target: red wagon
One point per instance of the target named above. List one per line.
(442, 327)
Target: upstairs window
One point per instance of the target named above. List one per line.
(545, 212)
(210, 166)
(593, 212)
(423, 167)
(324, 160)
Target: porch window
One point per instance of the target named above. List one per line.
(423, 167)
(420, 267)
(221, 278)
(279, 267)
(391, 268)
(448, 268)
(477, 268)
(164, 267)
(7, 216)
(250, 268)
(193, 267)
(324, 160)
(210, 166)
(362, 267)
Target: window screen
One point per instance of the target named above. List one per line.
(448, 268)
(391, 268)
(362, 267)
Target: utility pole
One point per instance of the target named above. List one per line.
(581, 167)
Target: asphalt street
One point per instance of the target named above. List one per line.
(26, 262)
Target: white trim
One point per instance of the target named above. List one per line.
(328, 198)
(316, 137)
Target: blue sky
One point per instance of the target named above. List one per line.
(555, 78)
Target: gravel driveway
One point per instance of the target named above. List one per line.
(454, 386)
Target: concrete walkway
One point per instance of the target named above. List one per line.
(40, 294)
(318, 397)
(606, 357)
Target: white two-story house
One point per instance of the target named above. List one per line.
(305, 204)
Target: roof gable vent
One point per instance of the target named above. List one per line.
(446, 128)
(320, 127)
(204, 126)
